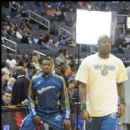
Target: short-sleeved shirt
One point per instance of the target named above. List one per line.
(101, 76)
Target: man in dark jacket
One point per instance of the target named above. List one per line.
(20, 88)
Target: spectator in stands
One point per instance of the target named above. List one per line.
(4, 31)
(54, 110)
(50, 45)
(19, 33)
(102, 77)
(20, 87)
(122, 46)
(39, 58)
(61, 40)
(83, 5)
(19, 60)
(121, 43)
(7, 66)
(67, 57)
(46, 38)
(66, 72)
(71, 84)
(59, 15)
(72, 90)
(6, 98)
(41, 39)
(60, 58)
(10, 84)
(35, 62)
(4, 80)
(70, 41)
(50, 13)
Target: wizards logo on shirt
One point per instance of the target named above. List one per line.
(45, 89)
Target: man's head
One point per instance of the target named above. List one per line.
(20, 71)
(66, 69)
(47, 65)
(104, 45)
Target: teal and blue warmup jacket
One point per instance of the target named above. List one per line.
(48, 95)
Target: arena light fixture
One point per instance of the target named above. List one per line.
(91, 24)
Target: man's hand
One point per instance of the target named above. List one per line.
(86, 116)
(37, 120)
(121, 110)
(67, 125)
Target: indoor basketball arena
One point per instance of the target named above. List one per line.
(65, 65)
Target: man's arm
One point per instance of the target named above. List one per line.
(82, 92)
(83, 104)
(65, 100)
(121, 94)
(65, 105)
(121, 91)
(31, 103)
(31, 106)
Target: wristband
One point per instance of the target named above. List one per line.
(83, 106)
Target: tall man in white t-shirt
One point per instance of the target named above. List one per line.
(101, 92)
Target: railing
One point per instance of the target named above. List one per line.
(9, 48)
(39, 19)
(122, 25)
(122, 15)
(62, 30)
(5, 40)
(39, 53)
(11, 5)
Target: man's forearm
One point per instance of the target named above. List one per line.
(82, 92)
(121, 93)
(82, 96)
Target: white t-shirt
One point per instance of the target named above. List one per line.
(101, 76)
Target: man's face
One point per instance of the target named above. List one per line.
(105, 46)
(47, 66)
(68, 70)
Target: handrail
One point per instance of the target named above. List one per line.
(122, 26)
(9, 48)
(65, 30)
(123, 15)
(39, 52)
(46, 21)
(10, 5)
(4, 38)
(39, 15)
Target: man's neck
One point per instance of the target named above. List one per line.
(104, 56)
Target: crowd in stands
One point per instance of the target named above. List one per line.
(17, 71)
(58, 11)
